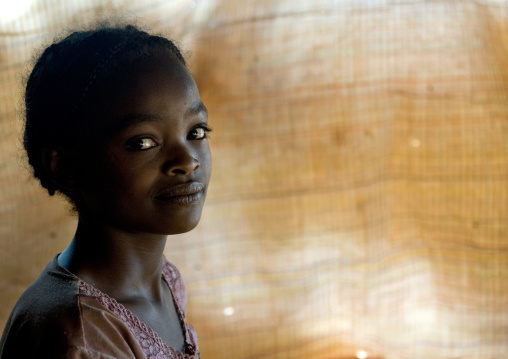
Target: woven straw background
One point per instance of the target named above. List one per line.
(359, 198)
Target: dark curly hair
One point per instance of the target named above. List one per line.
(67, 79)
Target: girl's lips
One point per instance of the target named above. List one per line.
(182, 200)
(185, 193)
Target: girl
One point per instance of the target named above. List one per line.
(114, 122)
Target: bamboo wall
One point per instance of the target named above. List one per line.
(359, 197)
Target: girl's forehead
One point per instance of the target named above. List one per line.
(159, 68)
(152, 89)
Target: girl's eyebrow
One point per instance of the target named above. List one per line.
(196, 109)
(133, 119)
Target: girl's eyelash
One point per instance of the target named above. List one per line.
(206, 130)
(141, 143)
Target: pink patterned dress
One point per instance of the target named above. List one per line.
(61, 316)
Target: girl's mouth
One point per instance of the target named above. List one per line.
(183, 200)
(183, 194)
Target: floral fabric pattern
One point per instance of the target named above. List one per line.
(151, 343)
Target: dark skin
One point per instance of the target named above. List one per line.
(148, 179)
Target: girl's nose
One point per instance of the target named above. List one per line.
(183, 164)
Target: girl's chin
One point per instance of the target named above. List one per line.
(182, 227)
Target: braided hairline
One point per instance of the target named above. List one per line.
(100, 66)
(173, 49)
(116, 49)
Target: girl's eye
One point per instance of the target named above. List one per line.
(199, 133)
(140, 144)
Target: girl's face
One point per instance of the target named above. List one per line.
(153, 166)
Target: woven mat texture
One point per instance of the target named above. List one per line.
(359, 197)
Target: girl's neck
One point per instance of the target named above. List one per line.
(119, 263)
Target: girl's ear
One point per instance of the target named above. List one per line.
(59, 167)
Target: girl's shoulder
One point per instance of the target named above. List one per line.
(52, 294)
(44, 316)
